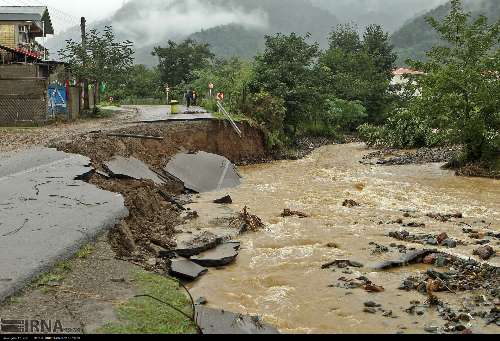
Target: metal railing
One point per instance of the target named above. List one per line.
(223, 110)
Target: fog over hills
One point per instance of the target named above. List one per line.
(417, 36)
(237, 27)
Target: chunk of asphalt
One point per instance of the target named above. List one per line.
(408, 259)
(216, 321)
(222, 255)
(185, 269)
(203, 172)
(189, 245)
(131, 168)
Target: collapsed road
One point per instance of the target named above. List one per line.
(46, 215)
(277, 273)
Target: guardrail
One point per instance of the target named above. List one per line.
(223, 110)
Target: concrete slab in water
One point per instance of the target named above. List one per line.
(191, 244)
(46, 215)
(132, 168)
(185, 269)
(215, 321)
(222, 255)
(204, 172)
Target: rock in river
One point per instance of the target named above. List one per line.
(485, 252)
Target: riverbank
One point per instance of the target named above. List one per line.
(155, 219)
(444, 155)
(282, 270)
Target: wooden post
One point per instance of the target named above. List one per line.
(85, 82)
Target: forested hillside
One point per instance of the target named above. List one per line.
(417, 37)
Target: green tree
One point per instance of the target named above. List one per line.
(285, 71)
(460, 93)
(230, 76)
(344, 116)
(141, 82)
(100, 60)
(178, 62)
(355, 69)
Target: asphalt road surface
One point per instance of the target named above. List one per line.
(46, 215)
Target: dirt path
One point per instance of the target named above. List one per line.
(16, 139)
(81, 293)
(95, 293)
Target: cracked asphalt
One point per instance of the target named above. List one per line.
(46, 215)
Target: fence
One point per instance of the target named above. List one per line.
(23, 94)
(19, 109)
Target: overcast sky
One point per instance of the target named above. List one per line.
(66, 13)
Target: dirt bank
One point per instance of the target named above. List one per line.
(150, 227)
(446, 155)
(210, 136)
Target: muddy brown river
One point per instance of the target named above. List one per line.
(278, 273)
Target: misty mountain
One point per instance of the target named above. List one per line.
(417, 37)
(232, 27)
(391, 14)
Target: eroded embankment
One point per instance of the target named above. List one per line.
(150, 227)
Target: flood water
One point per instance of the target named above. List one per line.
(278, 273)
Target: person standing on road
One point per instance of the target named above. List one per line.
(195, 98)
(189, 97)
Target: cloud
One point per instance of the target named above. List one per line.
(151, 21)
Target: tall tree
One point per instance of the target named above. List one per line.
(356, 69)
(100, 60)
(462, 83)
(378, 46)
(178, 62)
(286, 70)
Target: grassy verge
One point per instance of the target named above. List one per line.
(145, 315)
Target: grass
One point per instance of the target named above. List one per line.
(61, 269)
(85, 251)
(146, 316)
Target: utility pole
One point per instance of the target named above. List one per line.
(86, 105)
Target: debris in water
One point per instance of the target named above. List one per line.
(290, 213)
(190, 215)
(227, 200)
(485, 252)
(216, 321)
(350, 203)
(251, 222)
(189, 245)
(340, 263)
(445, 217)
(426, 239)
(415, 257)
(185, 269)
(370, 287)
(203, 172)
(222, 255)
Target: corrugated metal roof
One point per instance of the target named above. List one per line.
(27, 13)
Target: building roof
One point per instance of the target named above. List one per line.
(27, 13)
(23, 53)
(405, 71)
